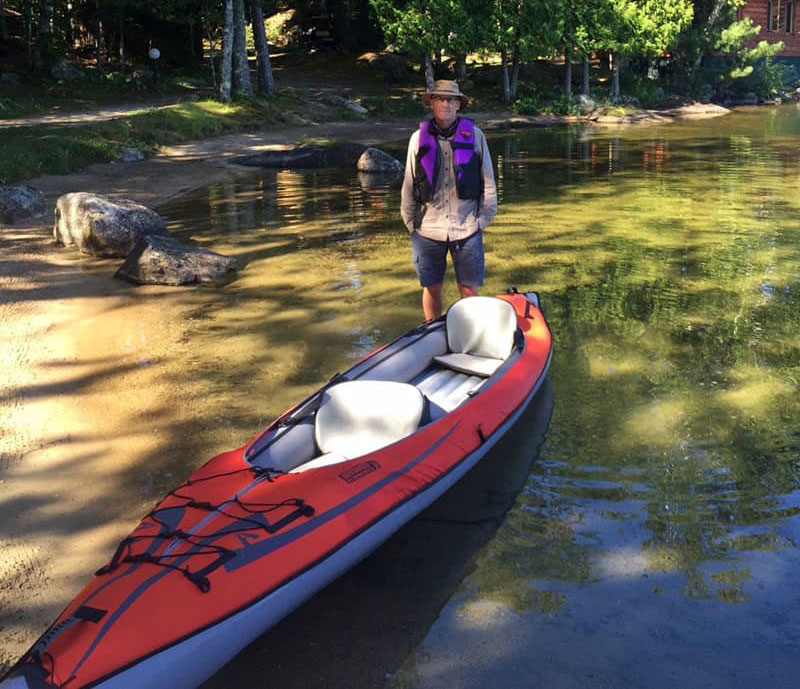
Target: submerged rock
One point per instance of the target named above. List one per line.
(306, 157)
(102, 226)
(156, 260)
(20, 203)
(373, 160)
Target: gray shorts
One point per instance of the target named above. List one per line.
(430, 259)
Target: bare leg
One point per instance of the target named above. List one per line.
(432, 301)
(467, 290)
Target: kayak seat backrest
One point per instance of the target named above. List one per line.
(480, 335)
(360, 416)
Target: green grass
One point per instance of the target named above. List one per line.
(36, 150)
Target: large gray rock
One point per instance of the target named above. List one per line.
(20, 203)
(103, 226)
(165, 261)
(64, 70)
(373, 160)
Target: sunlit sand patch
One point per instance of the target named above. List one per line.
(758, 395)
(655, 424)
(483, 614)
(622, 563)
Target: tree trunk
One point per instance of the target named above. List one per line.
(241, 68)
(567, 70)
(342, 28)
(27, 15)
(615, 62)
(227, 54)
(3, 25)
(504, 73)
(585, 89)
(461, 67)
(427, 67)
(266, 83)
(515, 60)
(712, 19)
(41, 49)
(121, 43)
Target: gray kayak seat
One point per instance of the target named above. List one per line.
(360, 416)
(480, 335)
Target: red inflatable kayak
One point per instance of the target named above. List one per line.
(255, 532)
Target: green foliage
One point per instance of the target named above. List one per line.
(405, 105)
(534, 101)
(767, 78)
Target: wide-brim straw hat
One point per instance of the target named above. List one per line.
(444, 87)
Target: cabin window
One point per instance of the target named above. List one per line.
(780, 16)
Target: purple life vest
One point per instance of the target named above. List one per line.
(466, 162)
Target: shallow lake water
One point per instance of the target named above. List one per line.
(654, 541)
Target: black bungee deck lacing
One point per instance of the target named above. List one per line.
(199, 577)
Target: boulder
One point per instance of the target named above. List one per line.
(103, 226)
(373, 160)
(20, 203)
(156, 260)
(64, 70)
(586, 103)
(130, 154)
(343, 102)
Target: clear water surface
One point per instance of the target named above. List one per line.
(655, 540)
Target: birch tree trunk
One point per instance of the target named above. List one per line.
(227, 54)
(241, 69)
(567, 70)
(427, 67)
(504, 72)
(121, 43)
(585, 88)
(712, 19)
(515, 61)
(266, 84)
(615, 65)
(98, 38)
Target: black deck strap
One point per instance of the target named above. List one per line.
(528, 307)
(89, 614)
(302, 509)
(481, 434)
(270, 473)
(84, 613)
(116, 559)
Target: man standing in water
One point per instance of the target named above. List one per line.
(448, 196)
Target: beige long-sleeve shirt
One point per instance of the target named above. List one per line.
(446, 216)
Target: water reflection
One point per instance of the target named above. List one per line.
(667, 497)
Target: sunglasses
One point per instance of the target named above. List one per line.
(446, 99)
